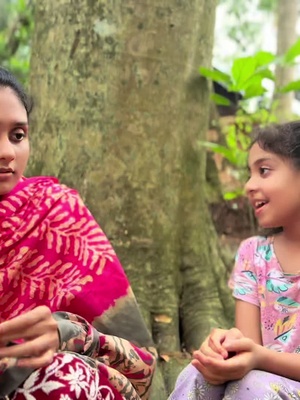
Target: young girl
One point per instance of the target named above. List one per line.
(63, 290)
(259, 358)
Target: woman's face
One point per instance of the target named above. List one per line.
(14, 142)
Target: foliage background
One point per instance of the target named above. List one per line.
(16, 27)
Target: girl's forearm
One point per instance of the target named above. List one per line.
(284, 364)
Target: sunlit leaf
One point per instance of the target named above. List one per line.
(265, 73)
(233, 195)
(254, 90)
(224, 151)
(215, 75)
(263, 58)
(292, 53)
(242, 69)
(231, 138)
(295, 85)
(220, 100)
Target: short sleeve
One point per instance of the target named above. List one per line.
(243, 279)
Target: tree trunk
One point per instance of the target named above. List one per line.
(286, 15)
(120, 108)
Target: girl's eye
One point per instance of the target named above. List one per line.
(263, 170)
(17, 136)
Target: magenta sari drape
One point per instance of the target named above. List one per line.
(53, 253)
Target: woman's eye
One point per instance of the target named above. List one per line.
(17, 136)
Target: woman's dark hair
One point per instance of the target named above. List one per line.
(283, 140)
(7, 79)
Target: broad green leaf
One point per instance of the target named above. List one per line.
(241, 158)
(248, 71)
(244, 137)
(242, 69)
(254, 90)
(292, 52)
(295, 85)
(264, 58)
(215, 75)
(231, 138)
(233, 195)
(220, 100)
(254, 80)
(224, 151)
(267, 5)
(265, 73)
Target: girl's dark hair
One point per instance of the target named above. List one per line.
(283, 140)
(7, 79)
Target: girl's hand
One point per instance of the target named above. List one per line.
(213, 345)
(217, 371)
(38, 332)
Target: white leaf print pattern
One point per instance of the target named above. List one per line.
(50, 386)
(29, 396)
(81, 382)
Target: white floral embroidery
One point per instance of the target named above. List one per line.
(81, 381)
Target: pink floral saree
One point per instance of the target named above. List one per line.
(53, 253)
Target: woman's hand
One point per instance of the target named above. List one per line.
(217, 371)
(38, 332)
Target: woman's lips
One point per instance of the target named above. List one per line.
(5, 174)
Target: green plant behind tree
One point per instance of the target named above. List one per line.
(15, 36)
(247, 78)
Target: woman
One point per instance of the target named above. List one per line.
(63, 288)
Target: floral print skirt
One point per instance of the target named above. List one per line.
(256, 385)
(71, 376)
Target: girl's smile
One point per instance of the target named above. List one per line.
(259, 207)
(273, 188)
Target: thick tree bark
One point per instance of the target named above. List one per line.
(286, 15)
(120, 108)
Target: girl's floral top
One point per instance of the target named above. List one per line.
(258, 278)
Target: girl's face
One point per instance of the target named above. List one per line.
(273, 189)
(14, 143)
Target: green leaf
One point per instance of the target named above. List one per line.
(233, 195)
(292, 52)
(247, 71)
(241, 158)
(231, 138)
(215, 75)
(295, 85)
(242, 69)
(265, 73)
(264, 58)
(254, 80)
(267, 5)
(254, 90)
(220, 100)
(224, 151)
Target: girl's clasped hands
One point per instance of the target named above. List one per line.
(226, 355)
